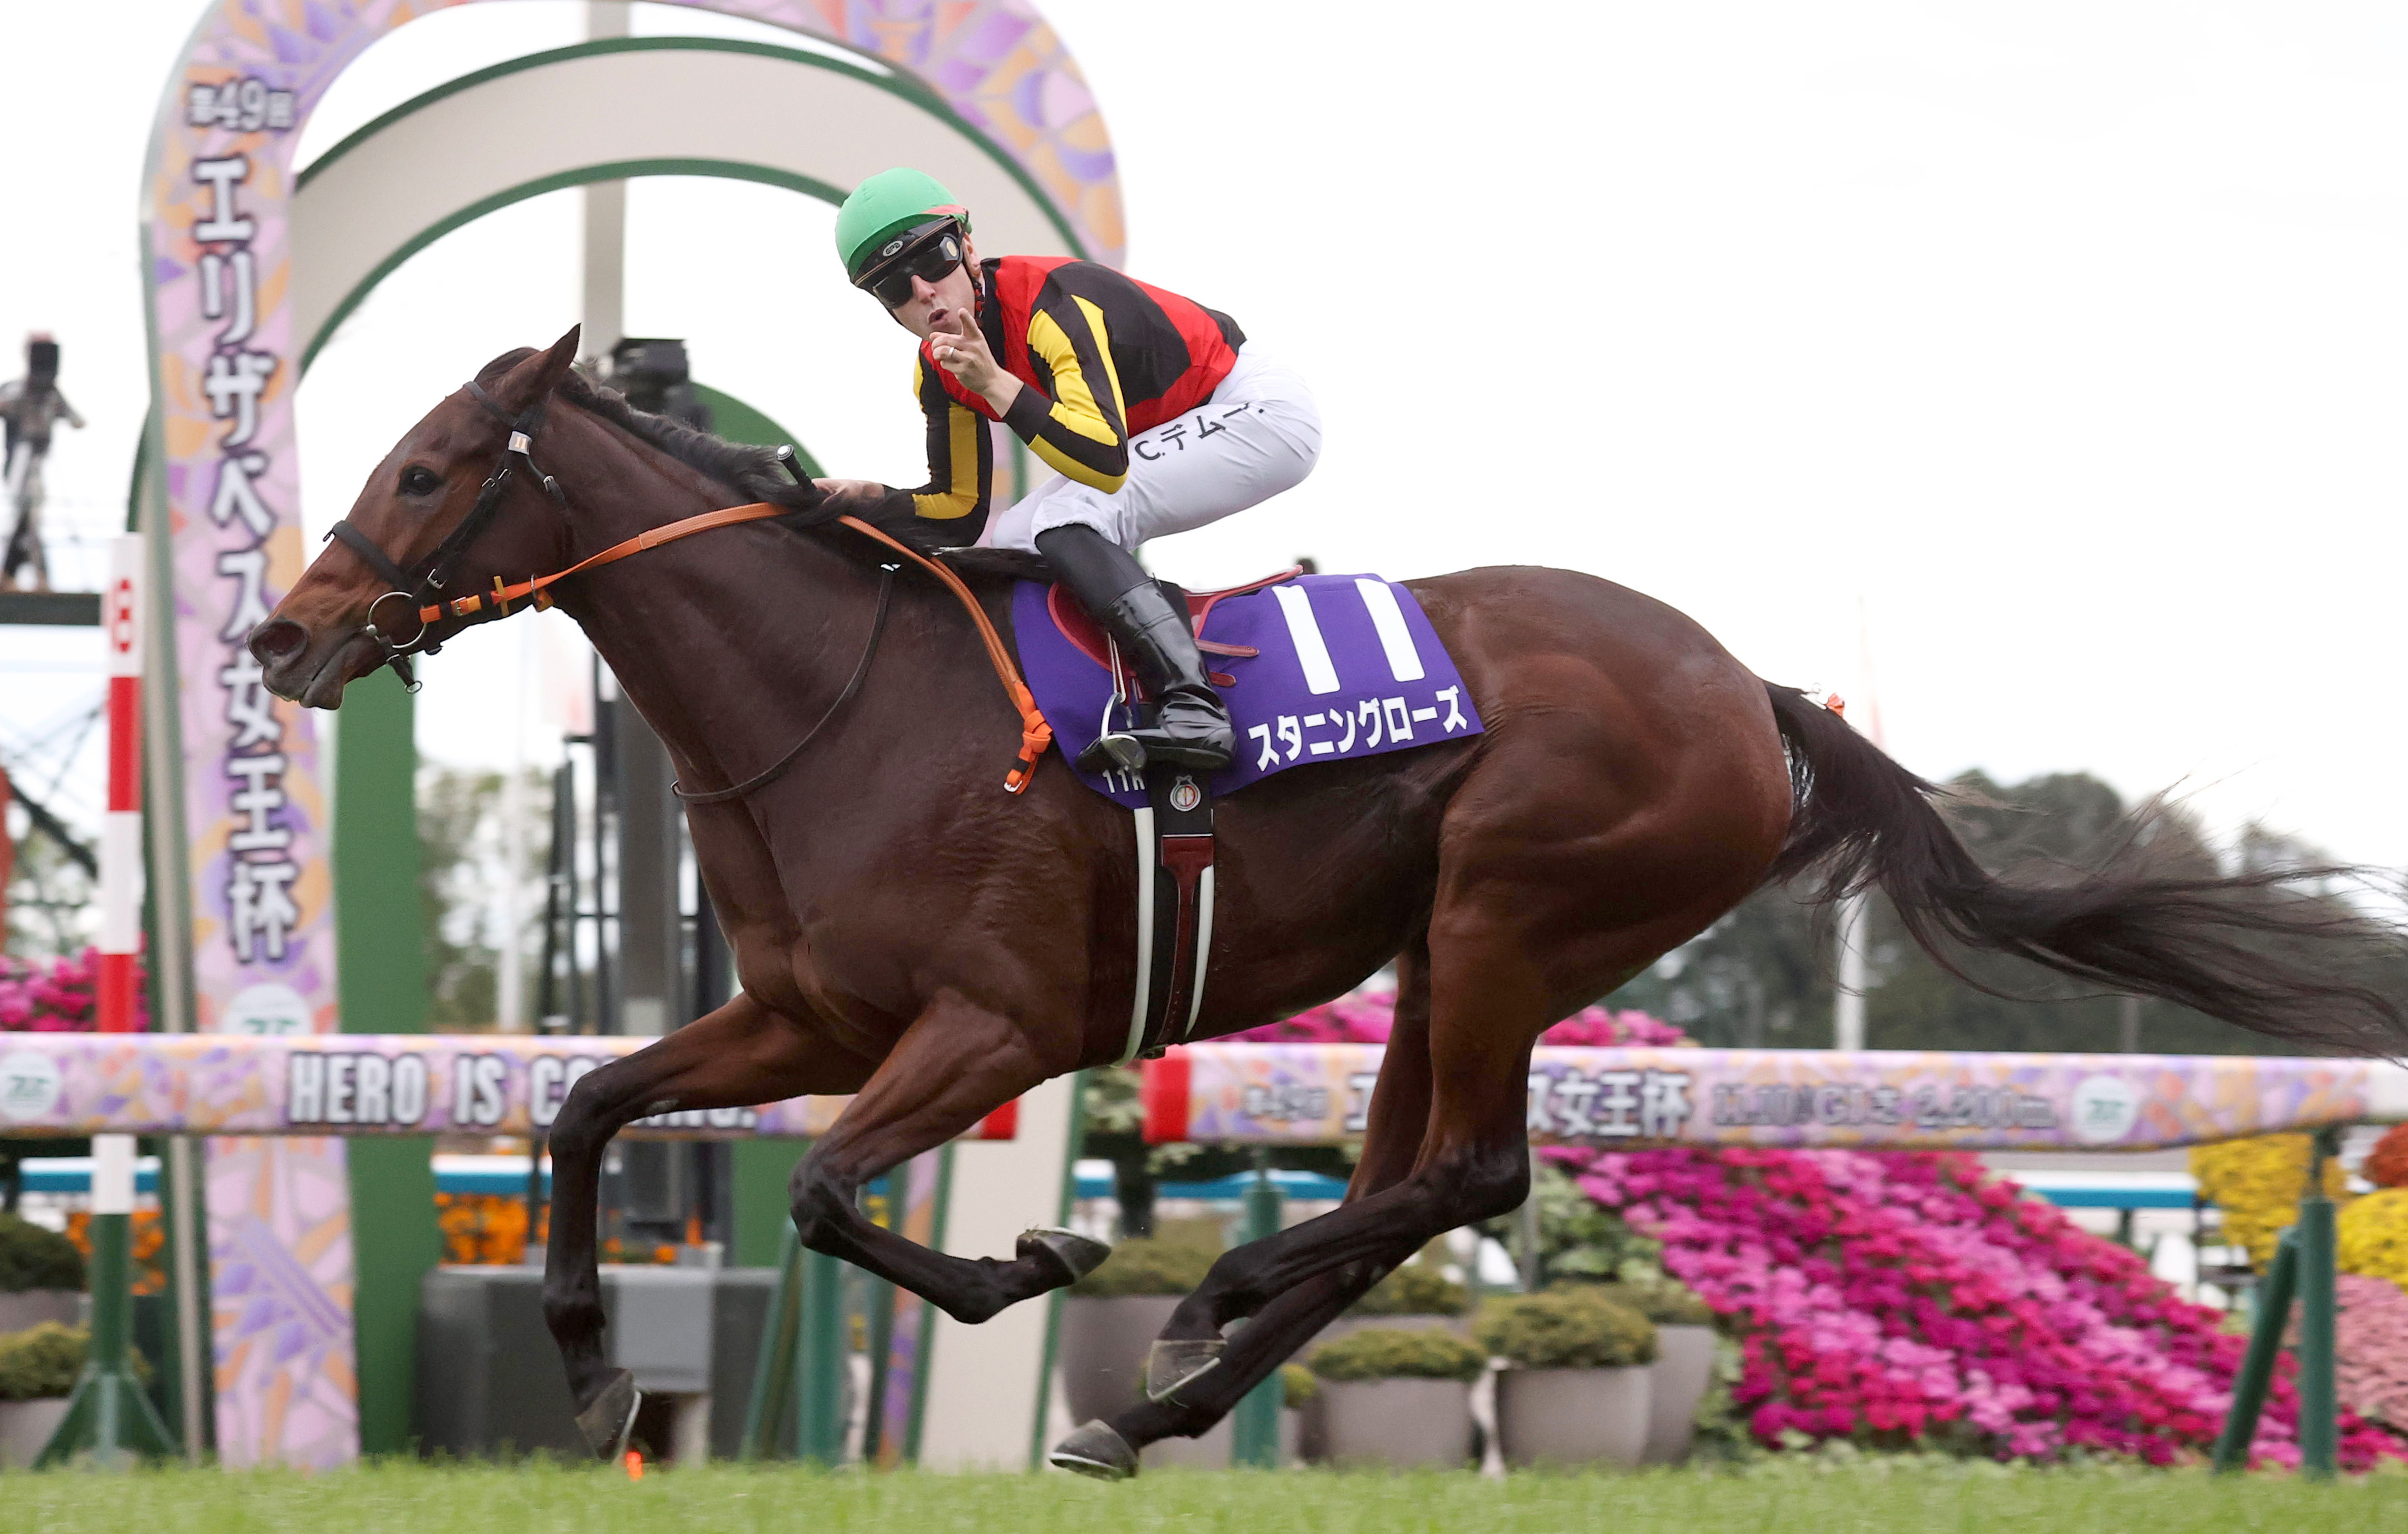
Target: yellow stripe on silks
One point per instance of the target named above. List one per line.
(962, 430)
(1104, 354)
(1074, 402)
(1071, 468)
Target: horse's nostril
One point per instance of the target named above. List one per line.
(277, 639)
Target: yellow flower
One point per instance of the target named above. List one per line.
(2374, 1236)
(2257, 1184)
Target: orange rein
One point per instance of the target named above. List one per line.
(1035, 734)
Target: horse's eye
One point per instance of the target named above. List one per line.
(416, 480)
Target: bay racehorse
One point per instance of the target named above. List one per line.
(907, 932)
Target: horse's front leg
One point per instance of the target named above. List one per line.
(957, 1063)
(740, 1055)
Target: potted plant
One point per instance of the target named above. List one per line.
(1419, 1294)
(1684, 1365)
(1112, 1317)
(1398, 1397)
(1415, 1296)
(1577, 1391)
(41, 1275)
(1301, 1397)
(37, 1374)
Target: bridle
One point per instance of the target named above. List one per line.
(421, 593)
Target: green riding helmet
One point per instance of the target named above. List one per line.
(887, 213)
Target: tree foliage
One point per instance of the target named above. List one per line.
(1762, 976)
(463, 867)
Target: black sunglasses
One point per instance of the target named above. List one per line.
(929, 261)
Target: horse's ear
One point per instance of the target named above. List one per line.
(539, 375)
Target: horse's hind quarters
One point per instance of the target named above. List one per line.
(606, 1423)
(1097, 1451)
(1052, 1246)
(1176, 1362)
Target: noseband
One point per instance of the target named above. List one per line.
(419, 591)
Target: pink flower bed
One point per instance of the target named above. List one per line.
(61, 997)
(2371, 1336)
(1903, 1298)
(1365, 1017)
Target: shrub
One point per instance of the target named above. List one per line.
(1667, 1303)
(42, 1362)
(2374, 1236)
(2256, 1184)
(1144, 1266)
(1907, 1300)
(1417, 1288)
(1575, 1327)
(31, 1258)
(1385, 1353)
(1298, 1384)
(2387, 1164)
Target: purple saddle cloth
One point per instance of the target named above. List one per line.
(1349, 667)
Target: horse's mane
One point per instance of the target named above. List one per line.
(756, 474)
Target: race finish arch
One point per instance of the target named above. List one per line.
(247, 269)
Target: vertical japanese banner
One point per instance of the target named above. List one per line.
(255, 818)
(218, 271)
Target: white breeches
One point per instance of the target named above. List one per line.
(1258, 435)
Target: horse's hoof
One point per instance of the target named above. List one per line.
(606, 1423)
(1095, 1450)
(1170, 1365)
(1069, 1254)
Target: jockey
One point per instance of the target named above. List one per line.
(1155, 413)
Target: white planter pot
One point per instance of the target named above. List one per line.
(1572, 1416)
(1683, 1366)
(1105, 1340)
(1402, 1423)
(25, 1428)
(31, 1307)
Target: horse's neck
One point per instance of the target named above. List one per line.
(720, 649)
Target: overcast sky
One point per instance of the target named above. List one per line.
(2068, 339)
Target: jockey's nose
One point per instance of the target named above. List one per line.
(277, 638)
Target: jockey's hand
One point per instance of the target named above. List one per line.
(962, 351)
(862, 491)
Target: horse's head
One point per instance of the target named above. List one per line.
(433, 511)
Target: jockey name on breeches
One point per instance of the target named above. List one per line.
(1258, 435)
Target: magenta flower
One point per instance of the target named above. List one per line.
(61, 998)
(1907, 1297)
(1366, 1017)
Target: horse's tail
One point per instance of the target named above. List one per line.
(2252, 949)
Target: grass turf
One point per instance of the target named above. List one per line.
(1871, 1498)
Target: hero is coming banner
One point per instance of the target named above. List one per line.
(225, 364)
(416, 1083)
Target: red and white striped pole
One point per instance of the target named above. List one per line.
(120, 848)
(109, 1417)
(121, 835)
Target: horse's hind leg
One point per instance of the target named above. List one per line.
(957, 1063)
(740, 1054)
(1283, 1321)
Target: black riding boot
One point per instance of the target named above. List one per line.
(1191, 728)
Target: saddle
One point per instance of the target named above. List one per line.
(1087, 637)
